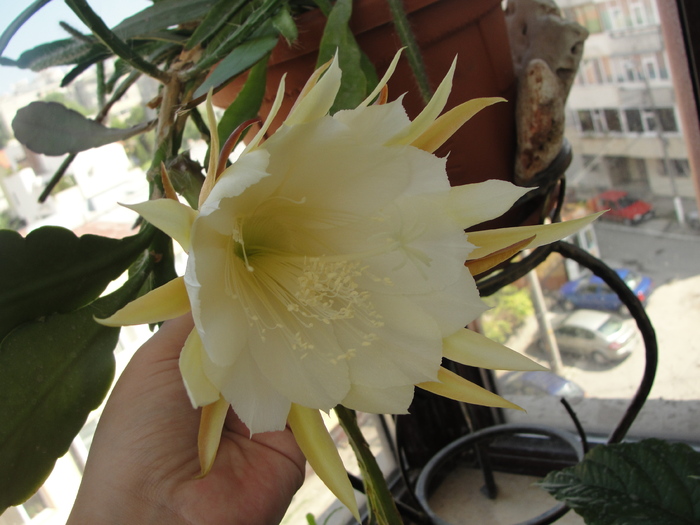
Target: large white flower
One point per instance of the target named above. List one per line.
(327, 266)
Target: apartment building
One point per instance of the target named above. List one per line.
(623, 121)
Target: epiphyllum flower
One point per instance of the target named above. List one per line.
(327, 266)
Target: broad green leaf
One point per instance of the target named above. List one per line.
(253, 24)
(217, 16)
(52, 270)
(247, 103)
(53, 129)
(56, 53)
(19, 22)
(337, 37)
(647, 483)
(162, 15)
(157, 17)
(241, 59)
(285, 25)
(53, 372)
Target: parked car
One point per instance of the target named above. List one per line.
(601, 336)
(622, 207)
(539, 384)
(592, 292)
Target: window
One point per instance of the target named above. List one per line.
(638, 13)
(585, 120)
(667, 119)
(634, 120)
(612, 120)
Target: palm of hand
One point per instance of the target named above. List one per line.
(145, 452)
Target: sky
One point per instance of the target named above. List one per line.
(43, 27)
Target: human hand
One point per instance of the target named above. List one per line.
(143, 462)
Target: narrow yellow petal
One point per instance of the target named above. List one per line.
(200, 390)
(427, 117)
(490, 241)
(210, 179)
(169, 216)
(313, 80)
(320, 451)
(446, 125)
(479, 266)
(474, 349)
(210, 427)
(384, 81)
(165, 302)
(318, 101)
(455, 387)
(167, 183)
(276, 104)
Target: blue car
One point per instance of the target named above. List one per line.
(591, 292)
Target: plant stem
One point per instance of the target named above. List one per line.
(382, 508)
(413, 54)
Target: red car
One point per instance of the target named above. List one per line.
(623, 207)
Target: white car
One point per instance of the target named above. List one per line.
(601, 336)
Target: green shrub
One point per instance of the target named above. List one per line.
(509, 308)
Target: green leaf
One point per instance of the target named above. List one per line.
(647, 483)
(157, 17)
(52, 270)
(19, 22)
(285, 24)
(247, 103)
(241, 59)
(162, 15)
(337, 37)
(53, 129)
(217, 16)
(52, 374)
(254, 25)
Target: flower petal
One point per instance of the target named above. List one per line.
(479, 266)
(165, 302)
(489, 241)
(313, 80)
(455, 306)
(319, 99)
(210, 179)
(276, 104)
(472, 204)
(210, 428)
(321, 453)
(311, 373)
(455, 387)
(431, 111)
(446, 125)
(471, 348)
(391, 400)
(384, 81)
(170, 216)
(200, 390)
(256, 401)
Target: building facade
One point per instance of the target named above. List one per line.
(623, 119)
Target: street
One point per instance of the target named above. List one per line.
(672, 410)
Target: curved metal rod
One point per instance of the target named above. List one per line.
(513, 272)
(632, 302)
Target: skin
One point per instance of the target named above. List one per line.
(143, 463)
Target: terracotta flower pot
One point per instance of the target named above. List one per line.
(474, 30)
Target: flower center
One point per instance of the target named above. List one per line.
(291, 293)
